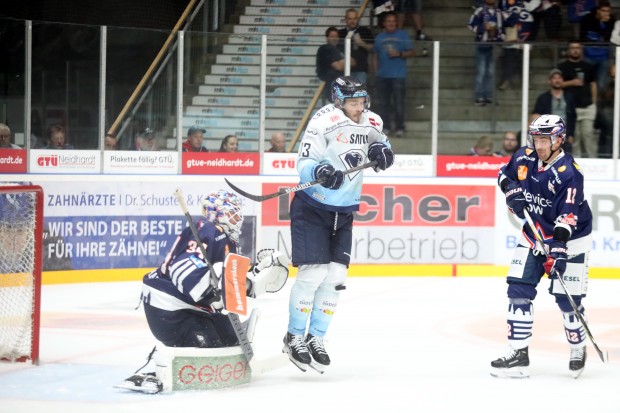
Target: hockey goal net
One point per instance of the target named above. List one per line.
(21, 239)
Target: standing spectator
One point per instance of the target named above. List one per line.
(195, 136)
(381, 8)
(146, 141)
(109, 142)
(392, 48)
(278, 142)
(550, 13)
(230, 143)
(580, 81)
(510, 144)
(605, 116)
(414, 9)
(5, 138)
(330, 61)
(595, 31)
(483, 147)
(56, 138)
(576, 9)
(558, 102)
(488, 25)
(518, 24)
(361, 44)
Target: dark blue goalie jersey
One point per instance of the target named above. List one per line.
(554, 193)
(183, 279)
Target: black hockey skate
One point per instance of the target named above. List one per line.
(577, 361)
(320, 358)
(143, 383)
(515, 365)
(295, 347)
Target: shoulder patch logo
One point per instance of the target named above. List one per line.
(528, 151)
(341, 138)
(576, 166)
(522, 172)
(562, 168)
(373, 122)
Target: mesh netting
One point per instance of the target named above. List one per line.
(17, 283)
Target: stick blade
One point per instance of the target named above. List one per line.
(256, 198)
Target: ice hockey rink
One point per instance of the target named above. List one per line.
(400, 344)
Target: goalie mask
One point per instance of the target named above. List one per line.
(224, 208)
(346, 87)
(552, 126)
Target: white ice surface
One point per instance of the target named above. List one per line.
(411, 344)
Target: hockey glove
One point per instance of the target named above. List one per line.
(379, 151)
(332, 179)
(515, 199)
(556, 261)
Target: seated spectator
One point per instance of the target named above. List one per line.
(109, 142)
(556, 101)
(56, 138)
(5, 138)
(278, 142)
(483, 147)
(146, 141)
(229, 144)
(510, 144)
(330, 62)
(194, 140)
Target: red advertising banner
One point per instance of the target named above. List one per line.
(405, 205)
(13, 161)
(476, 166)
(221, 163)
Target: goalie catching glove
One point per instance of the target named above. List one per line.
(269, 274)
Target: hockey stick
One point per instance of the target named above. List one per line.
(284, 191)
(540, 241)
(242, 337)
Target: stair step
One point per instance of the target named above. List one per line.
(252, 91)
(255, 80)
(325, 21)
(305, 3)
(332, 10)
(292, 50)
(242, 101)
(218, 69)
(235, 112)
(292, 30)
(227, 59)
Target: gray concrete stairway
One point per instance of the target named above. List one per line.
(228, 100)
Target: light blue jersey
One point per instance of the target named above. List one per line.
(331, 137)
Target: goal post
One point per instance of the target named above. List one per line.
(21, 259)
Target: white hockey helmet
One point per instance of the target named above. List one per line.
(224, 208)
(346, 87)
(552, 126)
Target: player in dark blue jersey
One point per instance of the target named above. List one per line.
(182, 306)
(546, 180)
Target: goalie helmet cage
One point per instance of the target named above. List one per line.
(21, 255)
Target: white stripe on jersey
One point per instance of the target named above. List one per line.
(164, 301)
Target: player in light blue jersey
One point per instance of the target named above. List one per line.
(340, 136)
(546, 180)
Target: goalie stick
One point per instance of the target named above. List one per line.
(540, 241)
(284, 191)
(245, 344)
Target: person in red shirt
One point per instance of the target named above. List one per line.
(194, 140)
